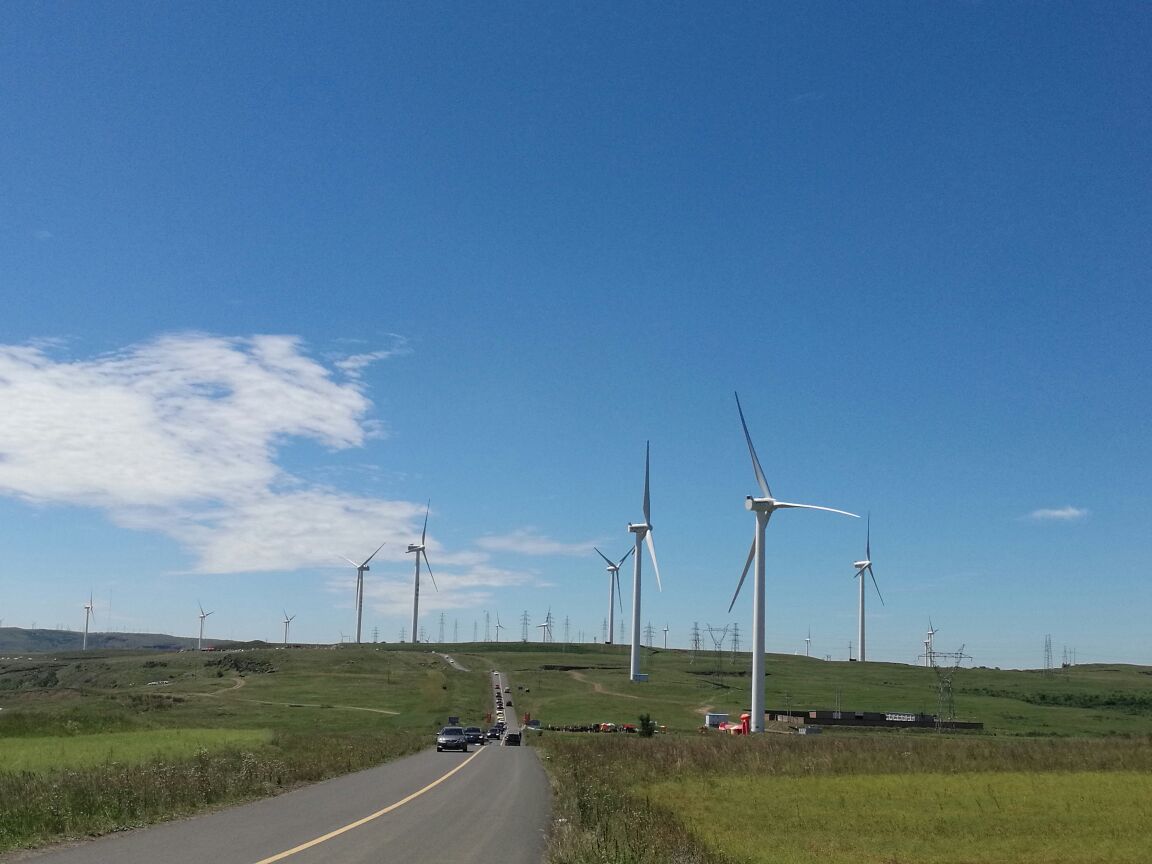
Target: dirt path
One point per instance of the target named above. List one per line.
(597, 687)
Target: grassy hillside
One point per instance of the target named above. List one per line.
(590, 684)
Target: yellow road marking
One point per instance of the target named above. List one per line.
(324, 838)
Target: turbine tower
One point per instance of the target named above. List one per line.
(203, 615)
(929, 654)
(643, 532)
(763, 507)
(808, 643)
(499, 626)
(418, 548)
(287, 620)
(863, 567)
(614, 594)
(87, 615)
(361, 569)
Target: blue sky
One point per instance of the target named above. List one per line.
(276, 275)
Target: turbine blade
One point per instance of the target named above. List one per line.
(783, 505)
(429, 566)
(605, 557)
(619, 598)
(760, 479)
(868, 539)
(652, 555)
(424, 533)
(744, 575)
(874, 583)
(647, 500)
(349, 560)
(370, 557)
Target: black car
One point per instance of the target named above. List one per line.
(451, 738)
(474, 735)
(494, 734)
(512, 739)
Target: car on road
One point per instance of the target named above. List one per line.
(451, 738)
(494, 734)
(512, 739)
(474, 734)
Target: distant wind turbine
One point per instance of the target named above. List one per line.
(863, 567)
(418, 548)
(614, 588)
(203, 615)
(763, 507)
(808, 643)
(499, 626)
(930, 657)
(361, 569)
(643, 532)
(87, 615)
(287, 620)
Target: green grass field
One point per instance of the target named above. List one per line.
(48, 753)
(965, 818)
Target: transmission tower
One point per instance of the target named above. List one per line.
(487, 626)
(403, 634)
(443, 620)
(735, 641)
(524, 621)
(945, 700)
(455, 629)
(376, 633)
(718, 637)
(695, 639)
(566, 629)
(649, 633)
(1047, 653)
(604, 631)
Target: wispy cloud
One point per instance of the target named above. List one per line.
(354, 364)
(179, 435)
(528, 541)
(1061, 514)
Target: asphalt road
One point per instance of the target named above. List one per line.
(490, 804)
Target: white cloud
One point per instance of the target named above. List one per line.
(528, 541)
(179, 435)
(1062, 514)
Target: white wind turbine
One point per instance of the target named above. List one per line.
(499, 626)
(203, 615)
(929, 657)
(287, 620)
(643, 532)
(863, 567)
(361, 569)
(808, 643)
(763, 507)
(418, 548)
(87, 615)
(614, 595)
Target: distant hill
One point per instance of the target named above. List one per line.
(16, 640)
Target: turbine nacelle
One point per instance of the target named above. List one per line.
(415, 547)
(761, 504)
(641, 528)
(860, 565)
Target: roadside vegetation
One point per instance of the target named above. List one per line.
(93, 743)
(839, 799)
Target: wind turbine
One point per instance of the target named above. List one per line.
(418, 548)
(203, 615)
(863, 567)
(614, 596)
(499, 626)
(930, 658)
(87, 615)
(287, 620)
(808, 643)
(361, 569)
(643, 532)
(763, 507)
(665, 637)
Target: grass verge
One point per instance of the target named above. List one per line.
(786, 799)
